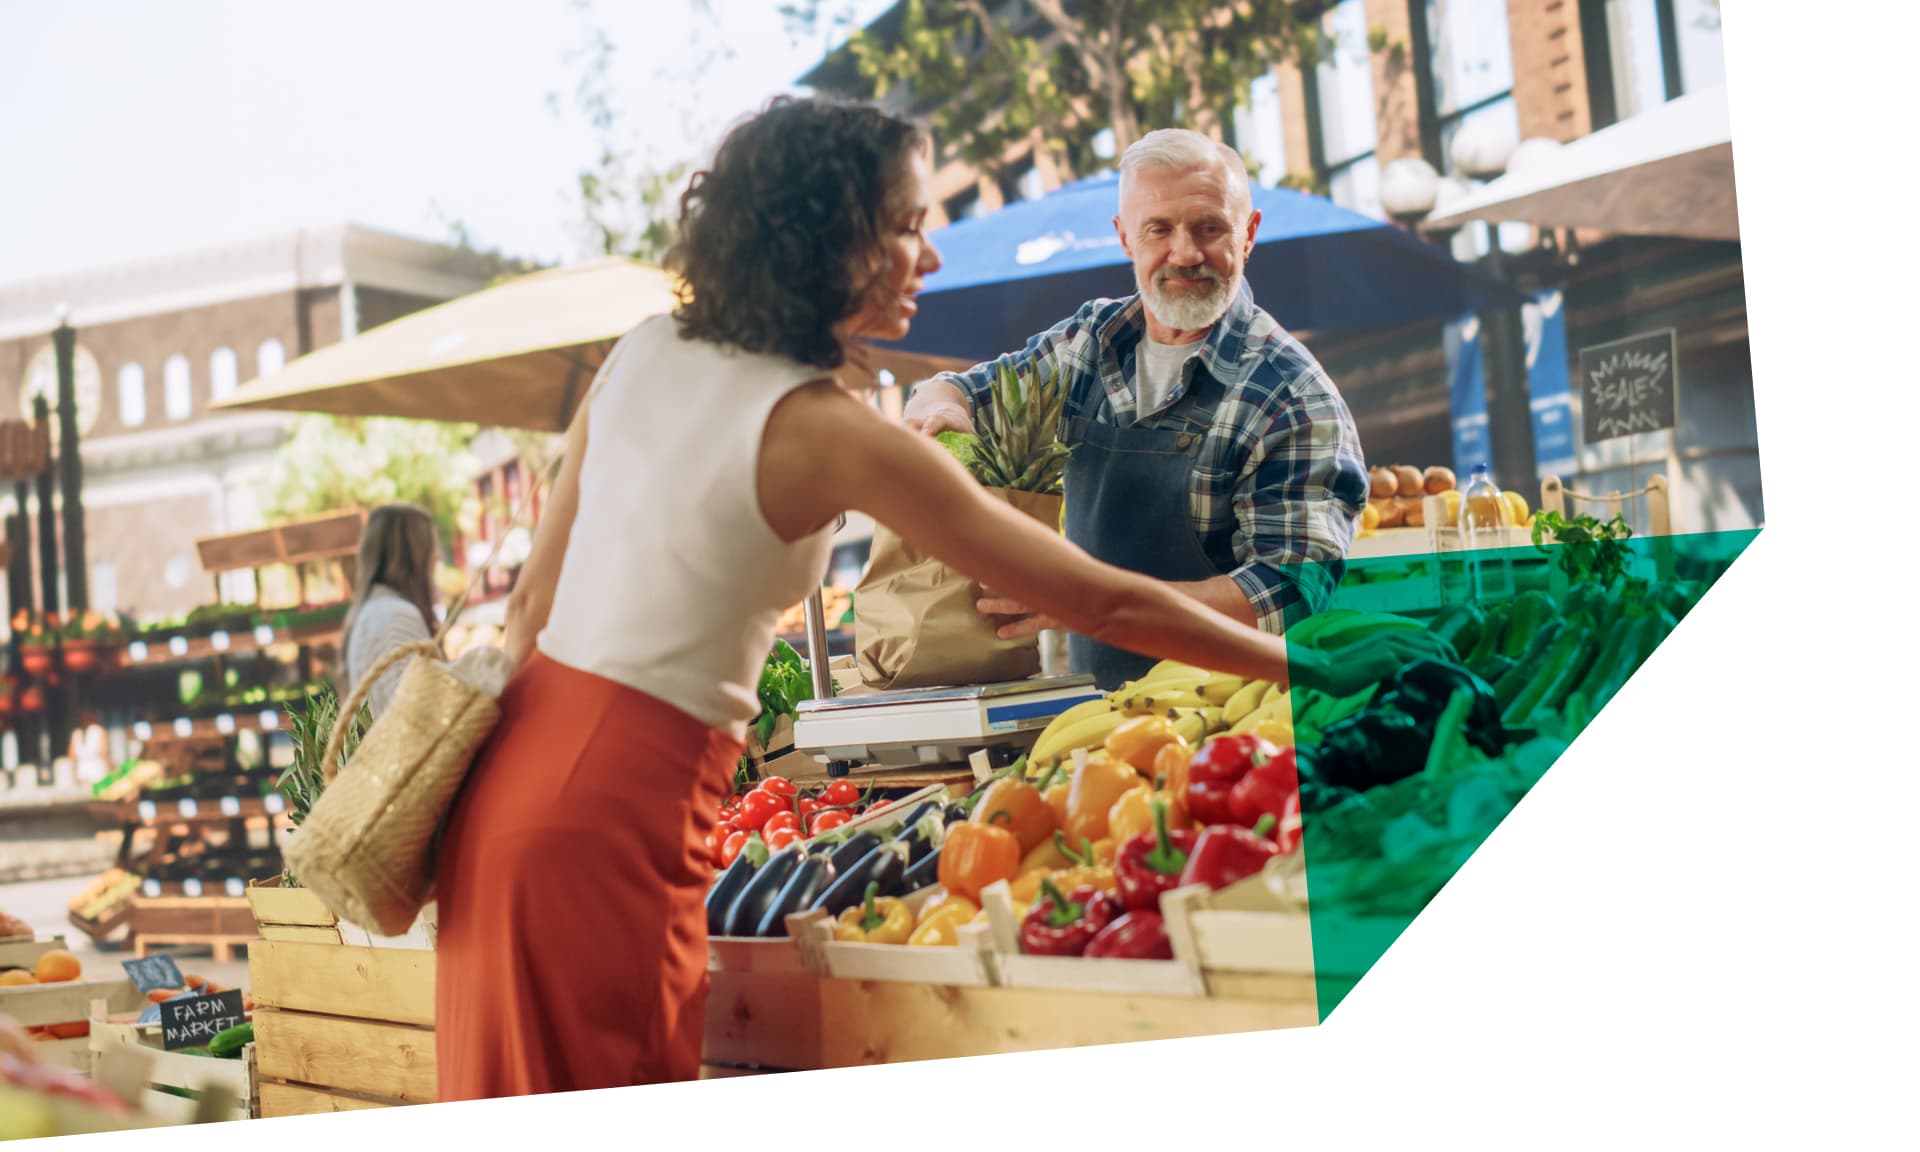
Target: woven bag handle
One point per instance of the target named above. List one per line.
(330, 759)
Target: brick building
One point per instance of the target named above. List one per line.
(158, 341)
(1404, 78)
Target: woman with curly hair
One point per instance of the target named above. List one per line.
(702, 479)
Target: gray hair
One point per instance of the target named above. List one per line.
(1186, 150)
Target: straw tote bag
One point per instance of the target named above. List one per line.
(367, 846)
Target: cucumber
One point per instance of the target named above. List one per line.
(227, 1045)
(1541, 678)
(1507, 689)
(1493, 627)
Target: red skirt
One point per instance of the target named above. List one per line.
(572, 882)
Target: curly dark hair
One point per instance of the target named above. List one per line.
(779, 238)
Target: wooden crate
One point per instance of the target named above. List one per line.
(293, 915)
(25, 951)
(161, 1070)
(968, 964)
(218, 922)
(34, 1005)
(791, 1022)
(339, 1027)
(1177, 977)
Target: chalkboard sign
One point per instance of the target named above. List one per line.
(192, 1021)
(151, 972)
(1627, 386)
(150, 1015)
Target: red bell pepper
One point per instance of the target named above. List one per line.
(1151, 863)
(1058, 925)
(1225, 854)
(1139, 935)
(1214, 771)
(1271, 789)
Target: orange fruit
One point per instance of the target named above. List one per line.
(15, 977)
(56, 967)
(72, 1030)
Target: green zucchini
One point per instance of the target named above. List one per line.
(1507, 689)
(1564, 651)
(1493, 626)
(1530, 612)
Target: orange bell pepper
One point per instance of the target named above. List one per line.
(1028, 817)
(976, 855)
(1095, 787)
(1140, 739)
(1170, 766)
(1132, 814)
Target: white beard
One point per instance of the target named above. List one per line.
(1189, 309)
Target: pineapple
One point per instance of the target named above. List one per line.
(1019, 446)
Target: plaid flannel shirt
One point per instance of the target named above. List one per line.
(1279, 482)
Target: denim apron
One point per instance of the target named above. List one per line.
(1127, 504)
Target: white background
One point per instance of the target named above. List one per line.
(1696, 932)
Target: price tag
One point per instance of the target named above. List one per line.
(236, 887)
(263, 635)
(223, 724)
(269, 720)
(221, 641)
(276, 803)
(191, 887)
(150, 889)
(137, 651)
(183, 727)
(177, 645)
(189, 809)
(229, 806)
(148, 810)
(142, 730)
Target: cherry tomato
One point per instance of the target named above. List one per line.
(715, 842)
(780, 822)
(841, 793)
(808, 806)
(782, 839)
(830, 819)
(724, 828)
(882, 806)
(779, 786)
(730, 851)
(755, 810)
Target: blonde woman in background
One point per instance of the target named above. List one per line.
(393, 595)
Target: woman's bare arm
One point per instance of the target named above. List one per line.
(824, 452)
(532, 599)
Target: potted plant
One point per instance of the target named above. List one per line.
(89, 639)
(34, 638)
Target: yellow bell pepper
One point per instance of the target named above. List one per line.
(1095, 787)
(1048, 856)
(1140, 739)
(1170, 767)
(1080, 869)
(940, 922)
(875, 921)
(1132, 814)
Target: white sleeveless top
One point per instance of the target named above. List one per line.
(673, 579)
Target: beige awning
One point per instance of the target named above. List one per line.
(1666, 172)
(517, 355)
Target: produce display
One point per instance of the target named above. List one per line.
(54, 967)
(836, 610)
(1397, 499)
(1194, 704)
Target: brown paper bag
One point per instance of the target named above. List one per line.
(915, 620)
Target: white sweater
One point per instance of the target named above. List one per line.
(386, 621)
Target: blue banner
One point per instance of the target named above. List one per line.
(1550, 385)
(1467, 397)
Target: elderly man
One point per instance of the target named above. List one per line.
(1209, 448)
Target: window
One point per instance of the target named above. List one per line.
(224, 373)
(178, 379)
(133, 396)
(1466, 79)
(270, 359)
(1258, 131)
(1346, 120)
(1642, 53)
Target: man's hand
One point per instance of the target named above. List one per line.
(1027, 622)
(935, 407)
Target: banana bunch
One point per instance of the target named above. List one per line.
(1199, 703)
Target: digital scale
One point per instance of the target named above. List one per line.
(934, 725)
(921, 727)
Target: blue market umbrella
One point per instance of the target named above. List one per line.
(1316, 267)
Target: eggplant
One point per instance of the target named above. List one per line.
(1374, 748)
(925, 873)
(744, 917)
(885, 866)
(853, 849)
(810, 878)
(1424, 688)
(727, 889)
(918, 843)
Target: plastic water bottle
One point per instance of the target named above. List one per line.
(1483, 512)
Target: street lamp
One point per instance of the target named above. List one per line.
(1409, 190)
